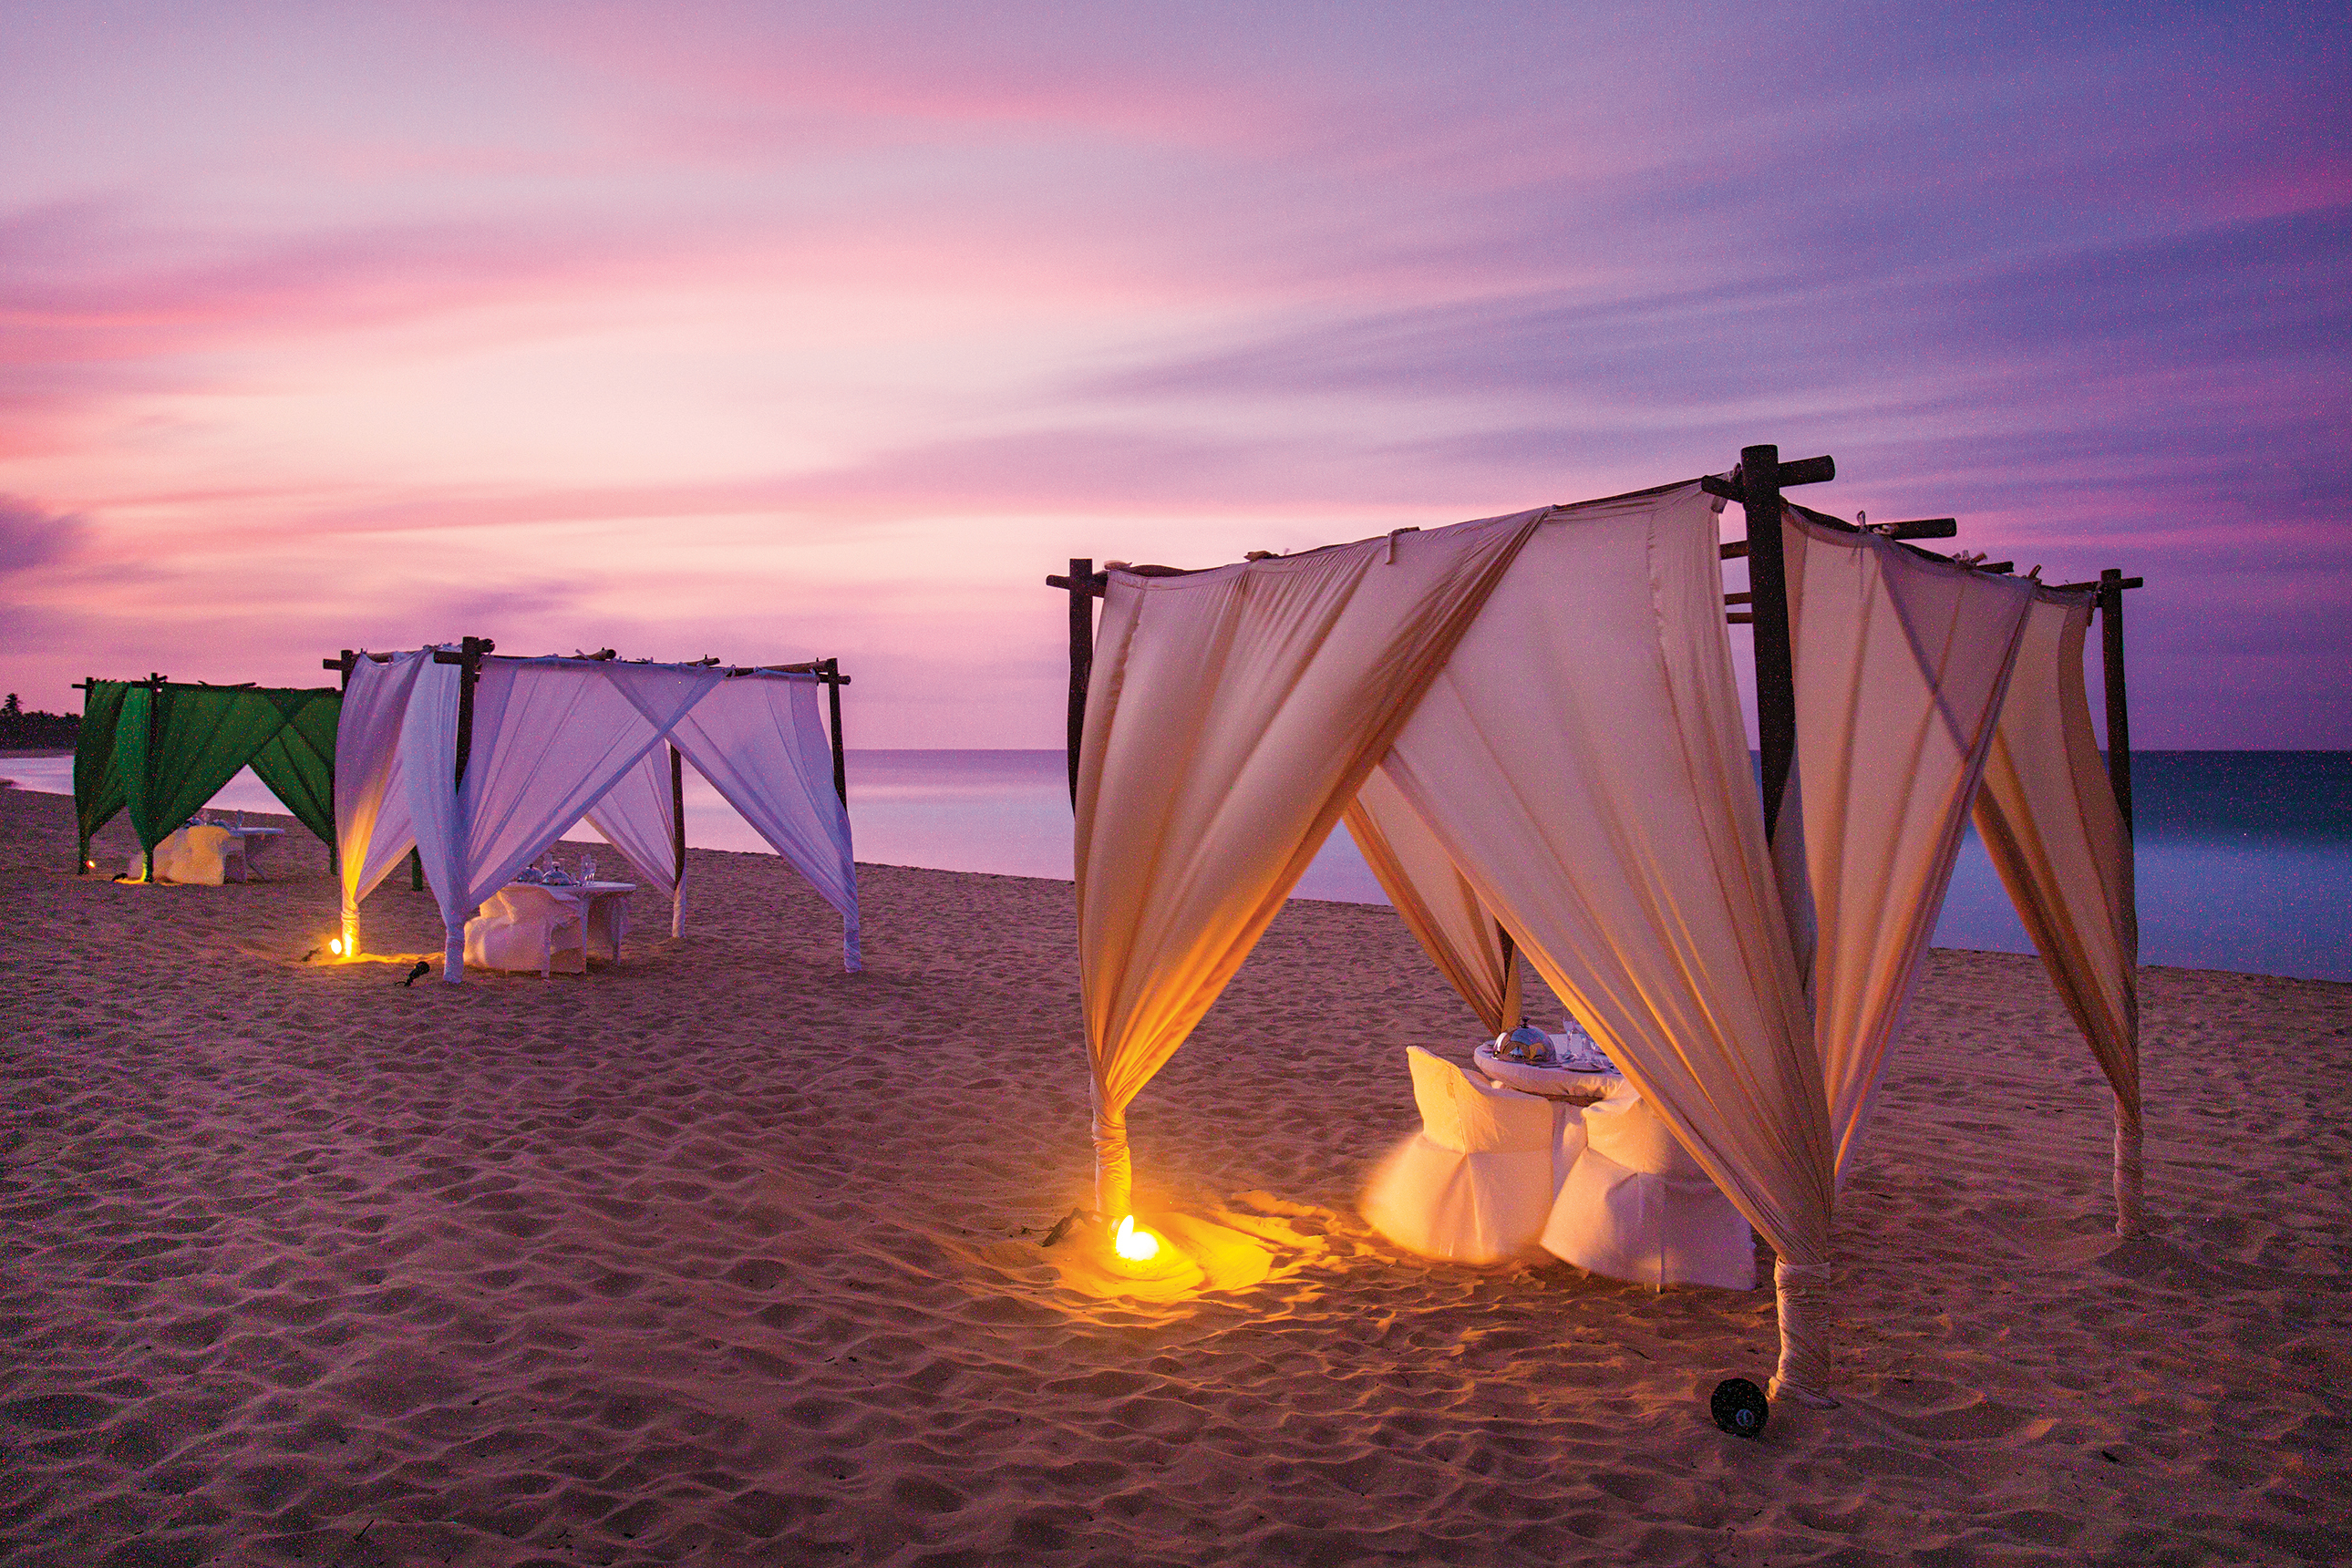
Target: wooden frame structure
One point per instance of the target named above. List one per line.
(1757, 484)
(470, 652)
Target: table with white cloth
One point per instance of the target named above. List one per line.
(1628, 1202)
(603, 909)
(1578, 1087)
(208, 853)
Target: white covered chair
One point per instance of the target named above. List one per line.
(1474, 1183)
(204, 855)
(523, 927)
(1636, 1206)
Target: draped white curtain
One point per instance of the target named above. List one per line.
(1568, 728)
(550, 738)
(2048, 817)
(759, 741)
(1583, 760)
(1233, 715)
(1901, 664)
(638, 817)
(1440, 907)
(1549, 702)
(372, 822)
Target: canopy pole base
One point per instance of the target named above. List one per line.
(1114, 1162)
(2130, 1218)
(1804, 1292)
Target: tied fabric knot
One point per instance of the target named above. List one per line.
(1803, 1293)
(2129, 1219)
(1114, 1164)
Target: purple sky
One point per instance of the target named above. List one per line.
(770, 332)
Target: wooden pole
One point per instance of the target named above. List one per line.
(155, 684)
(81, 859)
(1767, 581)
(840, 758)
(469, 671)
(468, 659)
(1082, 660)
(342, 683)
(678, 815)
(2129, 1174)
(2111, 639)
(678, 840)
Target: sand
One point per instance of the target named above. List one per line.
(722, 1256)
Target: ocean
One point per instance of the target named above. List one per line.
(2244, 857)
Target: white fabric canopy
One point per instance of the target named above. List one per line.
(556, 741)
(758, 738)
(1551, 703)
(371, 821)
(1583, 760)
(550, 738)
(1901, 662)
(1233, 715)
(1440, 907)
(638, 816)
(2048, 817)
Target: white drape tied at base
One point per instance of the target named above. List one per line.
(2049, 820)
(372, 823)
(1583, 762)
(1801, 1294)
(1231, 716)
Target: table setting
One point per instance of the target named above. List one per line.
(602, 905)
(1565, 1066)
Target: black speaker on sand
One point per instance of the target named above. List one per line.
(1739, 1407)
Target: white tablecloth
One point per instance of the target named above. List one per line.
(604, 908)
(1552, 1083)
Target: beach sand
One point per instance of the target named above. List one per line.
(723, 1256)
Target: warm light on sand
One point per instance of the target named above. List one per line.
(1135, 1245)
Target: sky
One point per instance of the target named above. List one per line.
(786, 330)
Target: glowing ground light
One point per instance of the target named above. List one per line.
(1135, 1245)
(335, 946)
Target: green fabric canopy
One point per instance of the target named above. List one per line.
(169, 748)
(98, 781)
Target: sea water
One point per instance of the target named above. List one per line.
(2244, 858)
